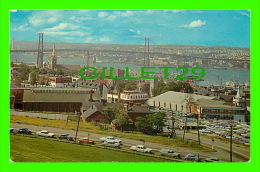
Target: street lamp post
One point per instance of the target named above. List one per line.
(198, 129)
(231, 140)
(77, 128)
(213, 143)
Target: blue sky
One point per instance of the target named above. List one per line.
(183, 27)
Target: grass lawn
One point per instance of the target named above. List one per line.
(27, 149)
(89, 127)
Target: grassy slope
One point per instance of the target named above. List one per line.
(84, 126)
(26, 149)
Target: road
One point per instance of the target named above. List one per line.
(240, 154)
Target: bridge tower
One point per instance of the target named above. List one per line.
(146, 52)
(40, 51)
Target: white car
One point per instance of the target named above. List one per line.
(110, 138)
(111, 144)
(171, 153)
(141, 148)
(45, 133)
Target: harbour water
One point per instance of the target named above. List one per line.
(211, 76)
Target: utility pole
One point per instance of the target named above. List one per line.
(212, 143)
(184, 128)
(173, 134)
(231, 140)
(198, 129)
(67, 118)
(77, 126)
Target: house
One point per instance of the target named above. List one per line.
(138, 111)
(132, 97)
(215, 109)
(92, 111)
(59, 81)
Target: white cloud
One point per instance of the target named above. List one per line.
(102, 14)
(111, 17)
(62, 26)
(40, 17)
(52, 20)
(105, 39)
(69, 38)
(122, 13)
(194, 24)
(79, 19)
(88, 40)
(127, 14)
(135, 31)
(22, 28)
(245, 13)
(70, 33)
(13, 10)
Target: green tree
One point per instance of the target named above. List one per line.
(110, 112)
(42, 71)
(151, 124)
(42, 81)
(59, 72)
(17, 81)
(33, 79)
(120, 86)
(130, 85)
(161, 87)
(122, 119)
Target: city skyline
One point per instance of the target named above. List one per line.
(181, 27)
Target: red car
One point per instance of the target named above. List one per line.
(86, 140)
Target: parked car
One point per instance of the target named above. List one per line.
(192, 157)
(111, 143)
(11, 130)
(141, 148)
(247, 135)
(213, 159)
(171, 153)
(86, 140)
(66, 136)
(110, 138)
(24, 131)
(45, 133)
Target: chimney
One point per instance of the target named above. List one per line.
(90, 96)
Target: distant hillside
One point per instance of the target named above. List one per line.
(22, 45)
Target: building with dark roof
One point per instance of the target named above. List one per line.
(92, 111)
(57, 99)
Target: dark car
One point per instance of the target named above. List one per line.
(66, 136)
(11, 130)
(24, 131)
